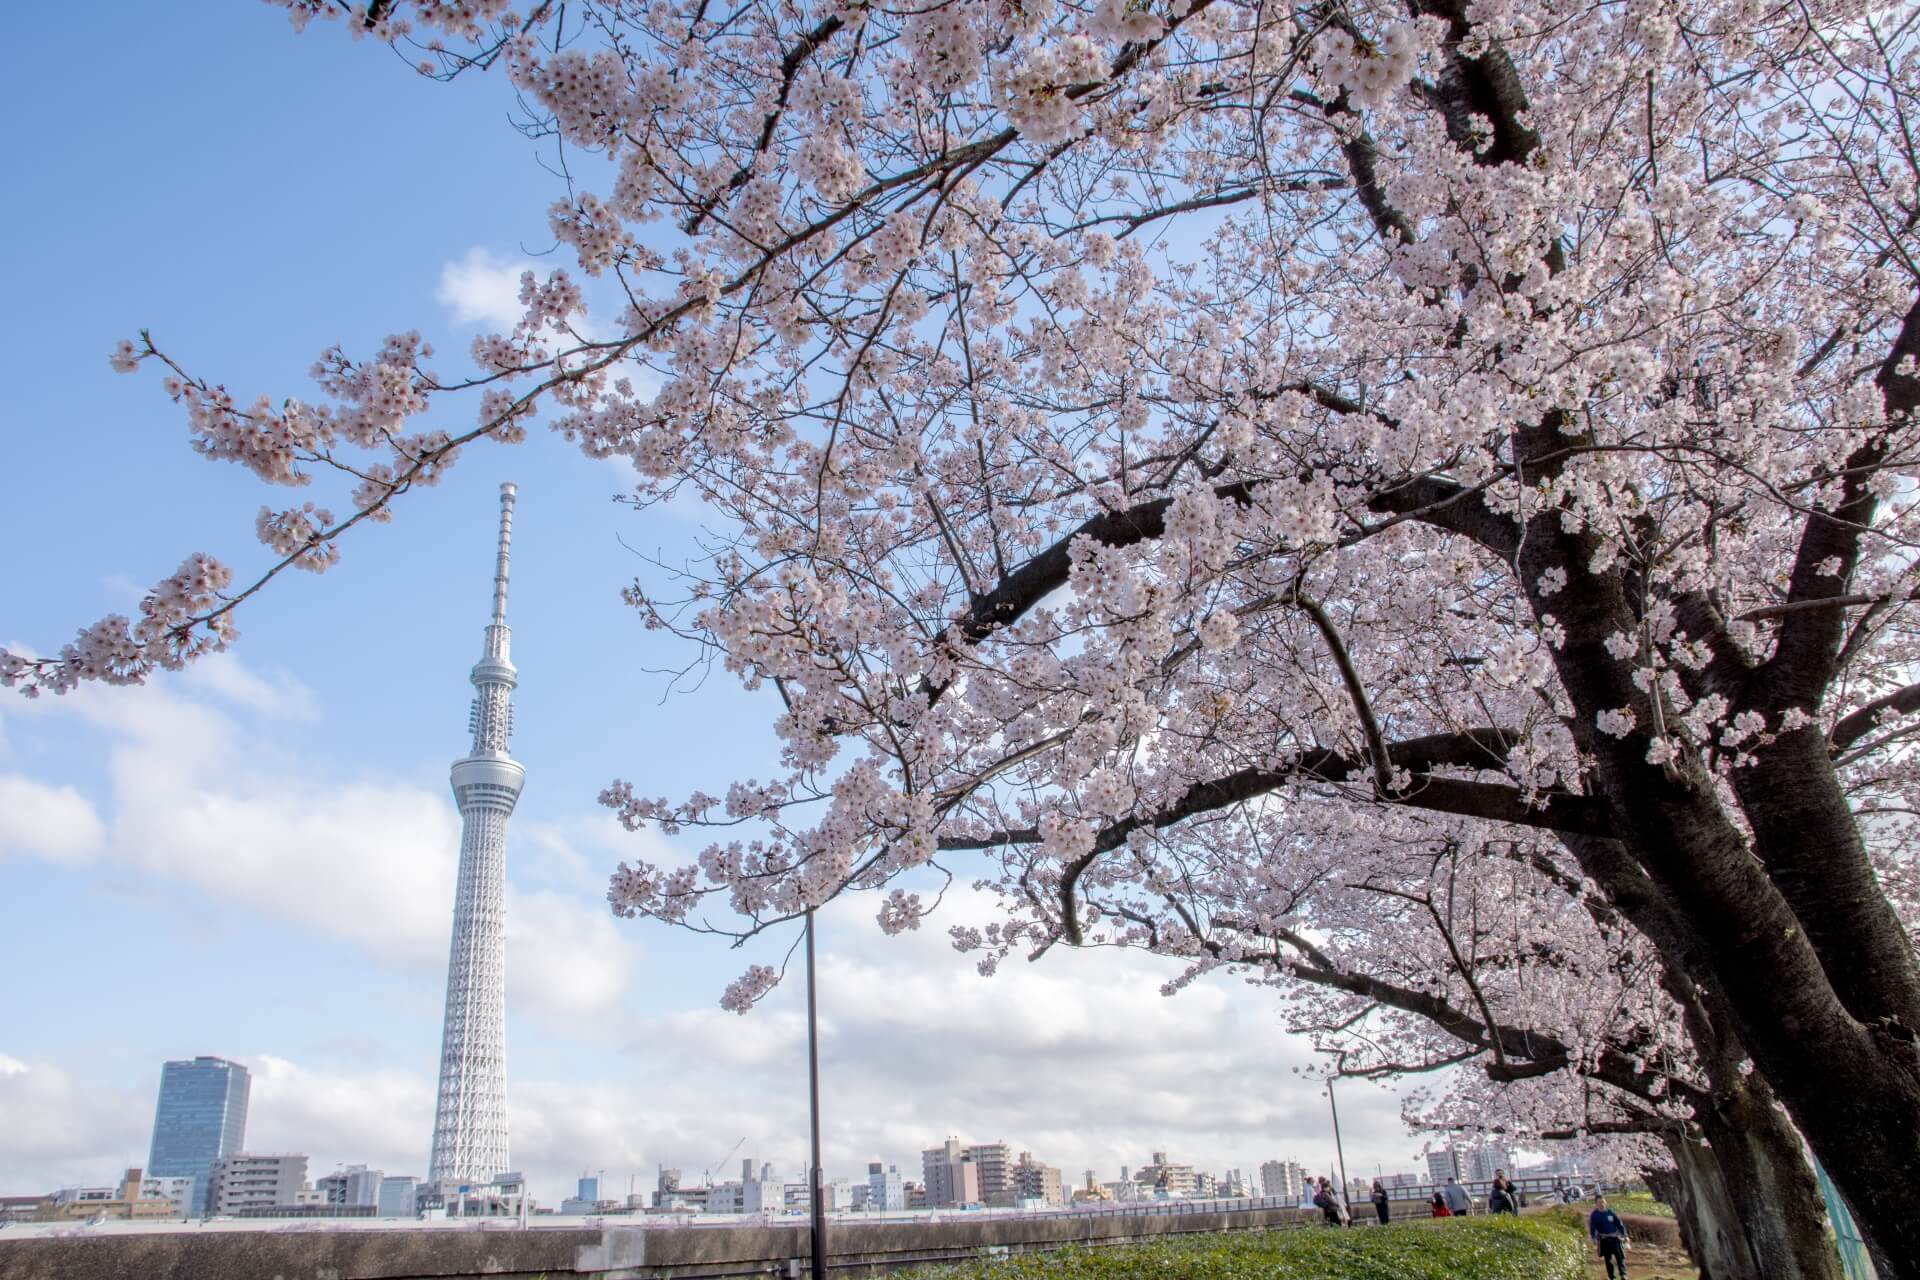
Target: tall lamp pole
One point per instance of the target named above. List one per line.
(813, 1110)
(1339, 1150)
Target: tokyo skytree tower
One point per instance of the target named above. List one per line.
(470, 1121)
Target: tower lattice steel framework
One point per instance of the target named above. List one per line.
(470, 1120)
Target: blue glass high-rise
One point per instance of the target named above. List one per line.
(202, 1117)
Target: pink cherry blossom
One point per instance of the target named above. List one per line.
(1159, 445)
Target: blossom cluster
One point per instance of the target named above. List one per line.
(1039, 364)
(183, 617)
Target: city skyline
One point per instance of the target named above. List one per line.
(955, 1174)
(270, 835)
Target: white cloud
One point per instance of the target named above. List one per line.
(122, 590)
(1077, 1059)
(202, 798)
(578, 852)
(56, 1132)
(565, 958)
(484, 290)
(379, 1118)
(371, 862)
(56, 823)
(281, 697)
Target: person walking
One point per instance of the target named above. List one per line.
(1440, 1209)
(1459, 1203)
(1606, 1230)
(1380, 1201)
(1329, 1204)
(1500, 1199)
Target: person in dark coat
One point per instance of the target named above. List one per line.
(1323, 1200)
(1606, 1230)
(1501, 1198)
(1380, 1201)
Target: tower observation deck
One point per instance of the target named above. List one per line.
(470, 1119)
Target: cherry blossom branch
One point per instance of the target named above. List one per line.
(1829, 548)
(1830, 602)
(1383, 783)
(1475, 749)
(1858, 723)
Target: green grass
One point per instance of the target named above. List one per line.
(1639, 1202)
(1502, 1248)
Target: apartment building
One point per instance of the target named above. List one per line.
(245, 1181)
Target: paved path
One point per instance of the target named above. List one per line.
(1650, 1262)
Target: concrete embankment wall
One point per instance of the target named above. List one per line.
(609, 1252)
(1651, 1230)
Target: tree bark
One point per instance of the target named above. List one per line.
(1701, 1207)
(1852, 1088)
(1850, 1080)
(1746, 1202)
(1779, 1220)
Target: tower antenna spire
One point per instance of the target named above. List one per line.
(508, 492)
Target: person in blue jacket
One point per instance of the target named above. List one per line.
(1605, 1229)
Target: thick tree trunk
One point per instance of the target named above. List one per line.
(1852, 1086)
(1746, 1205)
(1853, 1090)
(1783, 918)
(1704, 1211)
(1769, 1185)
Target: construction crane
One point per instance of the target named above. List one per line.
(706, 1175)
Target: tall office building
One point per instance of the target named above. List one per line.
(201, 1117)
(953, 1179)
(885, 1189)
(1033, 1180)
(1282, 1179)
(995, 1161)
(1487, 1159)
(1445, 1163)
(470, 1119)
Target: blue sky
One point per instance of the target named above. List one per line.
(256, 859)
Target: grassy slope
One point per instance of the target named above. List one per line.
(1639, 1202)
(1470, 1249)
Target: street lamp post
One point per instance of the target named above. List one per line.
(813, 1112)
(1339, 1150)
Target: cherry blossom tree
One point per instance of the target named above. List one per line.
(1446, 948)
(1130, 412)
